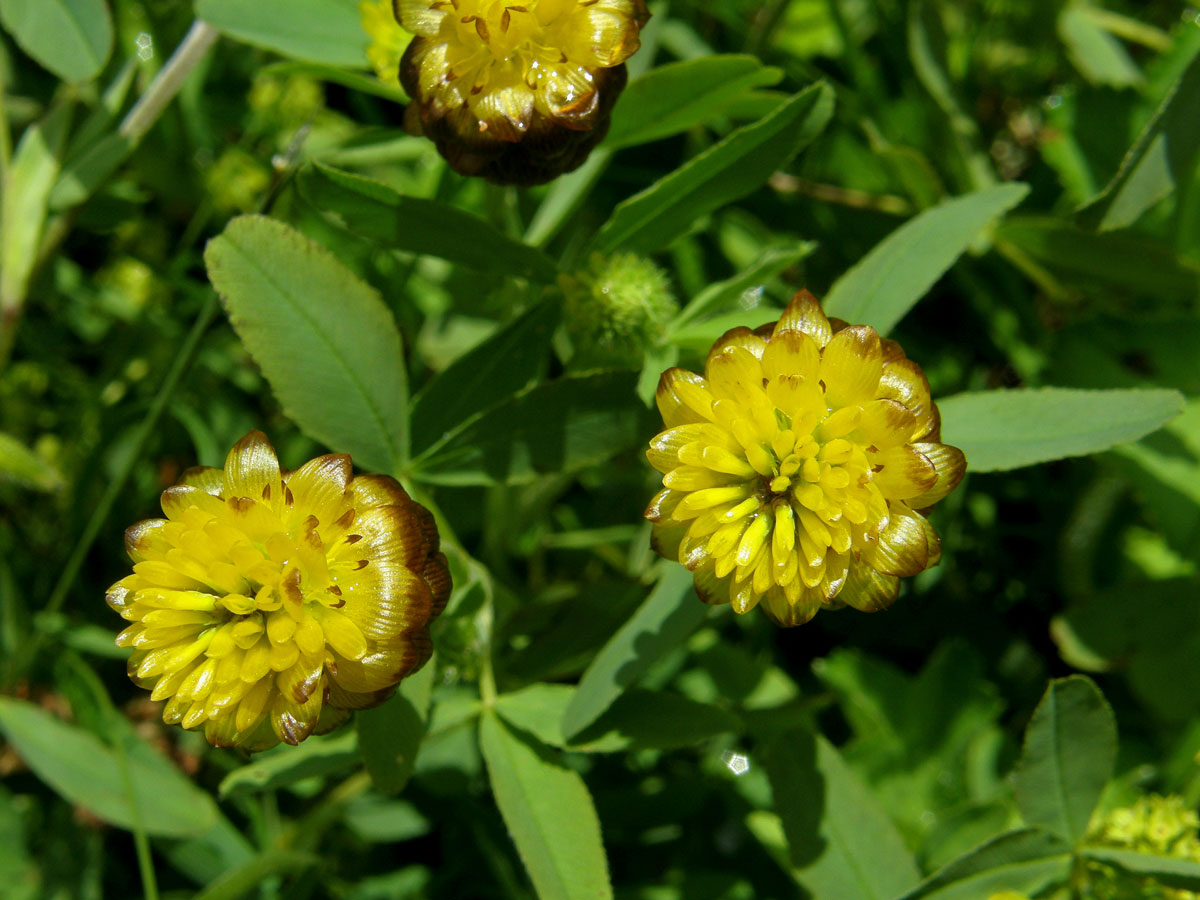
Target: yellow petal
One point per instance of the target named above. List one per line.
(903, 472)
(252, 469)
(318, 488)
(951, 466)
(683, 398)
(791, 353)
(342, 634)
(804, 314)
(851, 365)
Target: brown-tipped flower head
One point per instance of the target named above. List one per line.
(794, 468)
(267, 600)
(517, 92)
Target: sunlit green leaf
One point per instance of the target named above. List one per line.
(739, 164)
(559, 426)
(841, 843)
(1098, 55)
(1000, 430)
(678, 96)
(1162, 160)
(83, 770)
(284, 765)
(1026, 861)
(381, 213)
(897, 273)
(71, 38)
(549, 814)
(668, 616)
(321, 31)
(323, 338)
(1070, 750)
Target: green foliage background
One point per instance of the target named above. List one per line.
(1026, 170)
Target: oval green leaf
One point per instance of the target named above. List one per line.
(84, 771)
(889, 280)
(320, 31)
(549, 814)
(1000, 430)
(727, 171)
(71, 38)
(1070, 749)
(323, 337)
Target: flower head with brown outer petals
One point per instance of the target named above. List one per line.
(794, 468)
(269, 601)
(516, 92)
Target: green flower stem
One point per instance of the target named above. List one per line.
(183, 360)
(166, 84)
(141, 842)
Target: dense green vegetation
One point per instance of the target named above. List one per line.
(1010, 189)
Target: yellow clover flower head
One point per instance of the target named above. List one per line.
(1163, 826)
(388, 39)
(517, 92)
(269, 600)
(794, 468)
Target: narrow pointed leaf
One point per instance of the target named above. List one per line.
(498, 368)
(323, 337)
(282, 766)
(999, 430)
(85, 771)
(680, 95)
(1170, 871)
(549, 814)
(1162, 160)
(1026, 861)
(669, 615)
(897, 273)
(746, 285)
(559, 426)
(729, 170)
(381, 213)
(1070, 749)
(840, 842)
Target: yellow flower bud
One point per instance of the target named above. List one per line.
(517, 92)
(794, 469)
(268, 601)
